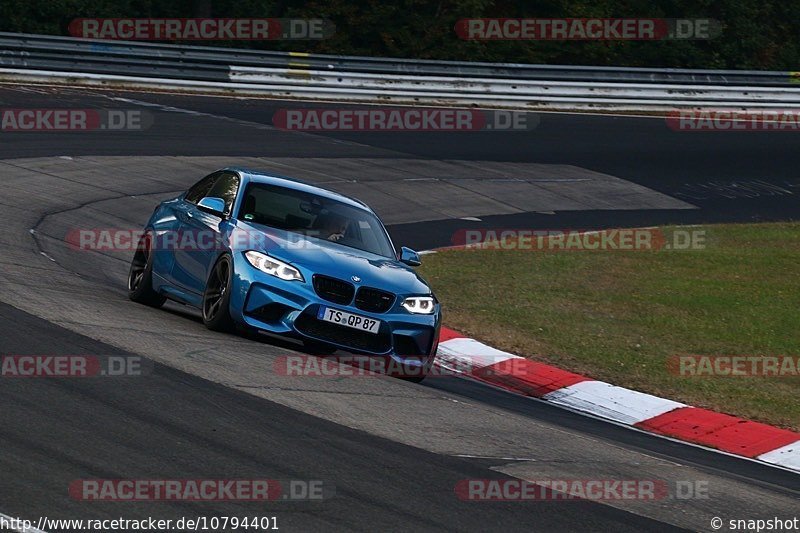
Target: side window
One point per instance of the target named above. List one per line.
(200, 189)
(226, 188)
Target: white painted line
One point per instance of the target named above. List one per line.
(468, 353)
(8, 520)
(248, 123)
(787, 456)
(468, 456)
(609, 401)
(676, 440)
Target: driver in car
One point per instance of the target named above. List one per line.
(332, 227)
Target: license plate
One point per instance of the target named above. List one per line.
(343, 318)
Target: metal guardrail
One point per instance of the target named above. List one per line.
(33, 58)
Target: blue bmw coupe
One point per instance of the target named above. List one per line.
(273, 254)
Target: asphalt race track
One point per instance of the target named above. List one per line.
(213, 405)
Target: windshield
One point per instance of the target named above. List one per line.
(316, 217)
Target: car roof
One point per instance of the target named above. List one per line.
(256, 176)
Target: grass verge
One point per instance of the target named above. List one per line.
(619, 316)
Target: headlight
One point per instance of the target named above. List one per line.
(419, 305)
(273, 267)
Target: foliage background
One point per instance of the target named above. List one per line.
(757, 34)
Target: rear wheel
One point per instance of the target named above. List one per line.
(140, 275)
(217, 296)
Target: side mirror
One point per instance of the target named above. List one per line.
(215, 206)
(409, 257)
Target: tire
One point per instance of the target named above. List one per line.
(140, 275)
(217, 296)
(319, 348)
(414, 379)
(420, 377)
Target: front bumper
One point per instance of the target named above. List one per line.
(290, 308)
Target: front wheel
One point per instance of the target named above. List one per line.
(415, 379)
(319, 348)
(140, 275)
(217, 296)
(419, 374)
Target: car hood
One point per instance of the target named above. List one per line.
(317, 256)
